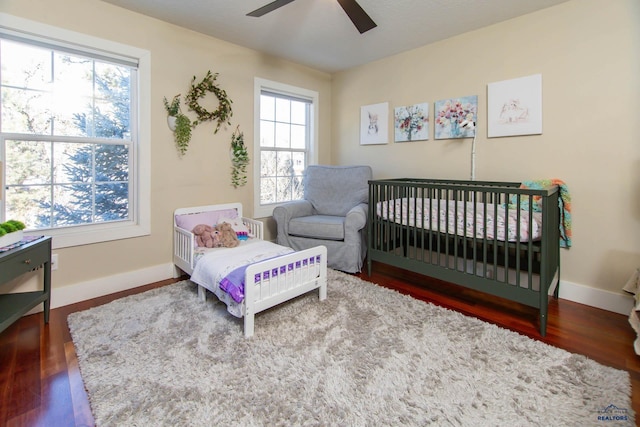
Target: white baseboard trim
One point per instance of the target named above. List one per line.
(108, 285)
(598, 298)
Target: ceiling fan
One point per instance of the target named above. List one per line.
(358, 16)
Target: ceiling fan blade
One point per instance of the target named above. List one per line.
(268, 8)
(358, 16)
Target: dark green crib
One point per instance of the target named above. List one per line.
(494, 237)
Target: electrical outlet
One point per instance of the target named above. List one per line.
(54, 262)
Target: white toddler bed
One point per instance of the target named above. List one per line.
(270, 273)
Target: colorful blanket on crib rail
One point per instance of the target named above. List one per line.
(564, 204)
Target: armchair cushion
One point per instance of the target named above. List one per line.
(318, 227)
(321, 182)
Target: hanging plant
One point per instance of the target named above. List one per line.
(220, 115)
(182, 133)
(239, 159)
(179, 124)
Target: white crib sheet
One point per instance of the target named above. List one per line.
(435, 216)
(212, 265)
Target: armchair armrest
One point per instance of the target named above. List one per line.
(284, 213)
(355, 220)
(294, 209)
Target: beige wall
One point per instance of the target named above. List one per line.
(588, 52)
(202, 176)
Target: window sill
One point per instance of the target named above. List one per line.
(86, 235)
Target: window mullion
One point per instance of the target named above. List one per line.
(51, 90)
(52, 187)
(93, 184)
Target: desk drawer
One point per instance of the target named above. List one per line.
(24, 261)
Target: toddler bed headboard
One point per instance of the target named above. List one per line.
(185, 219)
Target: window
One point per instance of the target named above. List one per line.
(285, 143)
(74, 149)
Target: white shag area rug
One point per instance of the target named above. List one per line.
(367, 356)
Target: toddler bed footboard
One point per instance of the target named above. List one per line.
(274, 281)
(494, 237)
(266, 282)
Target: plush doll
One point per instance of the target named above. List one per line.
(228, 237)
(238, 226)
(206, 236)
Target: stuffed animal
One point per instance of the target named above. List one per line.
(228, 237)
(206, 236)
(242, 231)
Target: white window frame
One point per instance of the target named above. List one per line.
(260, 210)
(140, 179)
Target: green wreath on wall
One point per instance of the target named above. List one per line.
(220, 115)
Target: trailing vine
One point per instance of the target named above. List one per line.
(182, 134)
(239, 160)
(183, 126)
(220, 115)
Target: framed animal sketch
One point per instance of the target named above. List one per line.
(374, 124)
(514, 107)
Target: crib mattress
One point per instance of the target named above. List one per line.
(212, 265)
(470, 219)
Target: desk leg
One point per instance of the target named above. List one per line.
(47, 290)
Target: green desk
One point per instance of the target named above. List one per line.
(16, 262)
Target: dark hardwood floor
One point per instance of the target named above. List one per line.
(40, 384)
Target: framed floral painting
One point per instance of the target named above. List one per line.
(514, 107)
(449, 115)
(411, 123)
(374, 127)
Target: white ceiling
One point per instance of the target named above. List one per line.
(318, 33)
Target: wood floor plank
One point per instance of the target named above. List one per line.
(82, 409)
(57, 407)
(8, 363)
(52, 347)
(26, 385)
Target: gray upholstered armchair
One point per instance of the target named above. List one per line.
(333, 213)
